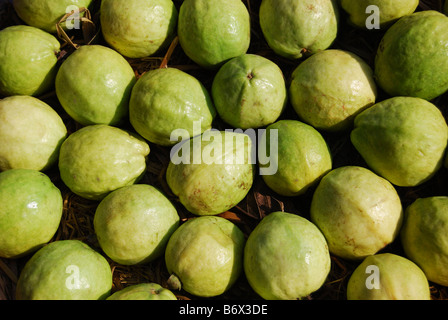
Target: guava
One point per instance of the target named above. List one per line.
(30, 213)
(296, 29)
(205, 256)
(403, 139)
(98, 159)
(330, 88)
(249, 91)
(213, 31)
(358, 211)
(286, 257)
(143, 291)
(214, 173)
(29, 61)
(302, 157)
(424, 237)
(65, 270)
(138, 28)
(187, 98)
(31, 134)
(411, 58)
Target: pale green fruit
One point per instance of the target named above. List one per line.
(138, 28)
(99, 159)
(143, 291)
(94, 85)
(358, 212)
(31, 134)
(330, 88)
(28, 58)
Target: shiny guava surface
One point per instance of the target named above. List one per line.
(294, 29)
(213, 31)
(30, 213)
(424, 237)
(206, 255)
(94, 85)
(28, 58)
(133, 224)
(286, 257)
(31, 134)
(358, 211)
(411, 58)
(143, 291)
(302, 157)
(330, 88)
(249, 91)
(65, 270)
(403, 139)
(138, 28)
(98, 159)
(388, 276)
(168, 99)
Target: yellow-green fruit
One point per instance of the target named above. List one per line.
(143, 291)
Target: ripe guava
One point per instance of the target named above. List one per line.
(205, 254)
(31, 134)
(65, 270)
(286, 257)
(403, 139)
(143, 291)
(98, 159)
(249, 91)
(188, 102)
(330, 88)
(138, 28)
(411, 58)
(213, 31)
(28, 58)
(358, 211)
(30, 213)
(294, 29)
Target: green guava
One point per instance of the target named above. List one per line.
(188, 102)
(330, 88)
(213, 31)
(411, 58)
(205, 256)
(358, 211)
(286, 257)
(214, 173)
(403, 139)
(28, 58)
(249, 91)
(424, 237)
(98, 159)
(138, 28)
(30, 213)
(133, 224)
(31, 134)
(65, 270)
(302, 157)
(143, 291)
(294, 29)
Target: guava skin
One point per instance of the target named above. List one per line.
(143, 291)
(30, 213)
(157, 107)
(29, 61)
(296, 29)
(358, 211)
(411, 58)
(98, 159)
(133, 224)
(206, 255)
(403, 139)
(249, 91)
(138, 28)
(31, 134)
(213, 31)
(286, 257)
(330, 88)
(65, 270)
